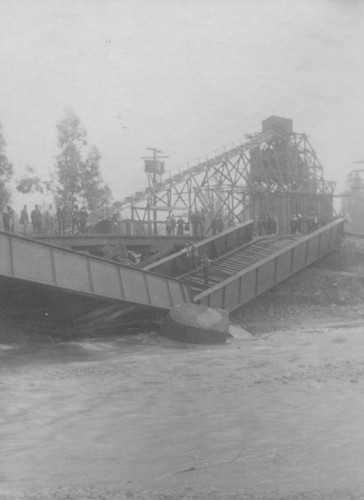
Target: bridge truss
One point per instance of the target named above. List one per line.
(275, 170)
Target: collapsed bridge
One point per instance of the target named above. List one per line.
(42, 279)
(275, 172)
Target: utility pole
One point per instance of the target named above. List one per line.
(154, 168)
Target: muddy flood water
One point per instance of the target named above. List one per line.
(271, 417)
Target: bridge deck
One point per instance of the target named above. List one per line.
(244, 273)
(220, 244)
(237, 260)
(26, 260)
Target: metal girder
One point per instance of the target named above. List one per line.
(225, 181)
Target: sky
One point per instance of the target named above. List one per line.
(184, 76)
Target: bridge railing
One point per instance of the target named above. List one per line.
(249, 283)
(179, 263)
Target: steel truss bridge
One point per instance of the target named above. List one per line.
(276, 170)
(56, 286)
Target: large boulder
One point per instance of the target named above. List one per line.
(196, 324)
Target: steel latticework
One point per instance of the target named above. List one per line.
(275, 171)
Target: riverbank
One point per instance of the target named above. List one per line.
(328, 293)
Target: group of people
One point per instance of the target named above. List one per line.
(197, 222)
(74, 219)
(267, 224)
(217, 224)
(47, 221)
(175, 226)
(41, 222)
(9, 219)
(301, 224)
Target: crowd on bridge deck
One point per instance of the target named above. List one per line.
(175, 226)
(198, 224)
(302, 224)
(48, 221)
(66, 220)
(267, 224)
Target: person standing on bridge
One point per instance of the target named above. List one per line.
(83, 220)
(12, 218)
(180, 226)
(6, 219)
(205, 263)
(36, 218)
(195, 256)
(33, 218)
(189, 257)
(173, 225)
(168, 225)
(24, 219)
(49, 220)
(192, 257)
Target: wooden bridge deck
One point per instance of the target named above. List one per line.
(246, 273)
(235, 261)
(242, 267)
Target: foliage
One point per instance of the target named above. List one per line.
(78, 171)
(6, 173)
(94, 193)
(31, 183)
(71, 140)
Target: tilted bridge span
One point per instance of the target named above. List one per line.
(243, 268)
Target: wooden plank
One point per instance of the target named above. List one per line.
(285, 259)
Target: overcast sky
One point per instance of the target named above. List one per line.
(184, 76)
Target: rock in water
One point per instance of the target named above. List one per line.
(196, 324)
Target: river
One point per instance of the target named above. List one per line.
(274, 416)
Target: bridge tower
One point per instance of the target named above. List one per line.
(286, 176)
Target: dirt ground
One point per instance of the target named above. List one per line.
(273, 415)
(330, 292)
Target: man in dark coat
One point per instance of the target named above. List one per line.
(6, 220)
